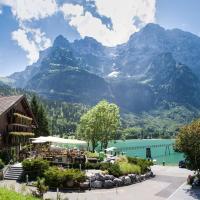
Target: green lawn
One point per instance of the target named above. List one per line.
(6, 194)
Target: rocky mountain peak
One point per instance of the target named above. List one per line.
(61, 42)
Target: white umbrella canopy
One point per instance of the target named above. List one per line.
(59, 140)
(111, 149)
(38, 142)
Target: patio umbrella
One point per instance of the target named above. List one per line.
(59, 140)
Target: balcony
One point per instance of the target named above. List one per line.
(22, 119)
(19, 128)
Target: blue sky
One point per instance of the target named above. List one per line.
(27, 27)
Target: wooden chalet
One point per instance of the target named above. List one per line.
(17, 123)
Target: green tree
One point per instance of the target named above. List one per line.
(188, 142)
(35, 106)
(43, 121)
(100, 124)
(40, 116)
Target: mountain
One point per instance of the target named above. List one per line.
(134, 56)
(60, 78)
(164, 80)
(154, 66)
(173, 81)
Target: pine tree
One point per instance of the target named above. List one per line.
(41, 118)
(43, 122)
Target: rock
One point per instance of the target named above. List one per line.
(132, 177)
(138, 178)
(85, 185)
(99, 177)
(122, 178)
(127, 180)
(148, 175)
(92, 178)
(70, 183)
(108, 184)
(143, 177)
(97, 184)
(109, 177)
(152, 174)
(118, 182)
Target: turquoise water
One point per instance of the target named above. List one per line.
(161, 149)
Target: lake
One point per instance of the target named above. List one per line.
(161, 149)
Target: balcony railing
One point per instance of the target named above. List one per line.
(22, 119)
(19, 127)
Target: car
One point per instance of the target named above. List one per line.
(182, 164)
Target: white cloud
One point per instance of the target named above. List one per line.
(31, 9)
(71, 10)
(29, 39)
(32, 41)
(127, 16)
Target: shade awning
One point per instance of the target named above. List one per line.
(58, 140)
(38, 142)
(111, 149)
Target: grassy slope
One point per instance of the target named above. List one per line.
(6, 194)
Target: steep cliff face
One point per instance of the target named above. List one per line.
(154, 66)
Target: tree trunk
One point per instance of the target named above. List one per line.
(93, 145)
(105, 145)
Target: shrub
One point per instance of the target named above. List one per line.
(114, 169)
(89, 165)
(35, 167)
(122, 159)
(56, 177)
(92, 155)
(105, 166)
(41, 188)
(5, 157)
(128, 168)
(144, 164)
(1, 164)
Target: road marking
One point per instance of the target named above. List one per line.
(176, 191)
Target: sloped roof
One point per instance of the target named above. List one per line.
(7, 102)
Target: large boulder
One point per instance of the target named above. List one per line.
(132, 177)
(143, 177)
(85, 185)
(152, 174)
(97, 184)
(122, 178)
(148, 175)
(138, 178)
(70, 183)
(92, 178)
(108, 184)
(100, 177)
(118, 182)
(109, 177)
(127, 180)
